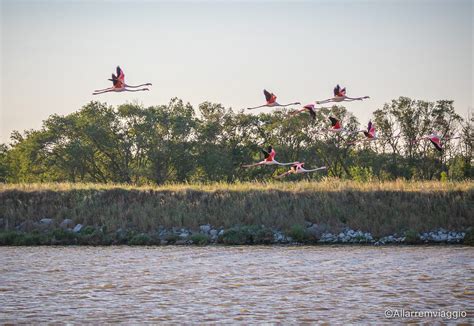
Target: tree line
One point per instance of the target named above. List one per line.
(176, 143)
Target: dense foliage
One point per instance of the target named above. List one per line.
(174, 143)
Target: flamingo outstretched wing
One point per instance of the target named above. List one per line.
(335, 123)
(120, 74)
(267, 94)
(436, 142)
(310, 108)
(370, 133)
(113, 79)
(269, 97)
(269, 153)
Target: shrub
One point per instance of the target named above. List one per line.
(253, 234)
(140, 240)
(63, 237)
(469, 238)
(412, 237)
(443, 177)
(8, 238)
(122, 236)
(235, 236)
(200, 239)
(88, 230)
(31, 239)
(96, 238)
(171, 238)
(299, 234)
(262, 235)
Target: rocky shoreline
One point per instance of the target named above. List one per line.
(47, 231)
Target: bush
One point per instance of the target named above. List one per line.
(235, 236)
(140, 240)
(469, 238)
(14, 238)
(31, 239)
(361, 174)
(253, 234)
(412, 237)
(171, 238)
(122, 236)
(443, 177)
(262, 235)
(63, 237)
(299, 234)
(200, 239)
(88, 230)
(8, 238)
(96, 238)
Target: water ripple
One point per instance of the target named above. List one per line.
(231, 284)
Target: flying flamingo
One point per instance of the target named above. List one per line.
(369, 133)
(119, 84)
(269, 159)
(336, 125)
(297, 168)
(340, 96)
(435, 139)
(309, 108)
(271, 101)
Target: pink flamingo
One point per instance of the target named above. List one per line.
(435, 139)
(340, 96)
(336, 125)
(298, 168)
(269, 159)
(310, 108)
(271, 101)
(369, 133)
(119, 84)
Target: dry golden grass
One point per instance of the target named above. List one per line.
(327, 184)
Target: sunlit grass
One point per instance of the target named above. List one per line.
(377, 207)
(327, 184)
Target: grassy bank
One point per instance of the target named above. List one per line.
(379, 208)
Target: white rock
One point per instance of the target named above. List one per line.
(67, 223)
(77, 228)
(46, 221)
(205, 228)
(213, 232)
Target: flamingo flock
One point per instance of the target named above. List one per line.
(339, 95)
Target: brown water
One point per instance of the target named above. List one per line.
(232, 284)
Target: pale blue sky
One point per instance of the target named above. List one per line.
(55, 53)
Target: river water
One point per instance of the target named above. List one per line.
(176, 284)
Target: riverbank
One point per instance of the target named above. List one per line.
(332, 211)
